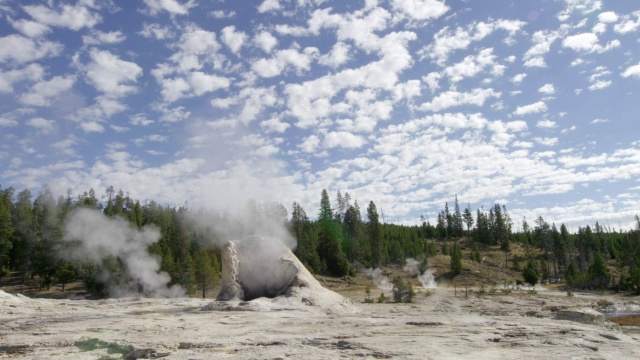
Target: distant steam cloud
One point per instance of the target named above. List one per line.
(99, 238)
(426, 278)
(379, 279)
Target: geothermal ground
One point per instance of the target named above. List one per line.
(500, 325)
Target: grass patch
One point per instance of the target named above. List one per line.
(112, 348)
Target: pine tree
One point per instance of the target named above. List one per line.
(6, 229)
(375, 235)
(467, 216)
(476, 252)
(598, 272)
(530, 274)
(456, 259)
(330, 236)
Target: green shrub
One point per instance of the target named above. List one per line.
(402, 291)
(530, 274)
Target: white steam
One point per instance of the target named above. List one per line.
(100, 238)
(427, 280)
(268, 220)
(379, 279)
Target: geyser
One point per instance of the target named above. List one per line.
(256, 267)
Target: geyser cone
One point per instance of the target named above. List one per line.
(254, 268)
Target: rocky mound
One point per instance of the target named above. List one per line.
(255, 268)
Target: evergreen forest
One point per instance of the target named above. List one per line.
(341, 239)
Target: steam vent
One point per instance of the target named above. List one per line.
(256, 268)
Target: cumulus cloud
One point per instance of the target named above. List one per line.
(546, 124)
(517, 79)
(448, 99)
(608, 17)
(233, 39)
(632, 71)
(111, 75)
(627, 23)
(283, 59)
(534, 108)
(19, 49)
(99, 37)
(268, 6)
(156, 31)
(173, 7)
(342, 139)
(588, 42)
(421, 9)
(43, 92)
(41, 124)
(28, 28)
(265, 41)
(338, 55)
(548, 89)
(310, 144)
(447, 40)
(73, 17)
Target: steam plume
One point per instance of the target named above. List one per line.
(99, 238)
(426, 278)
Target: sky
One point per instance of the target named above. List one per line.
(530, 104)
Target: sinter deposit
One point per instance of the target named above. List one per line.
(255, 268)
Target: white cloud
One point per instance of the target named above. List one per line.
(432, 80)
(600, 84)
(274, 125)
(599, 121)
(633, 70)
(546, 124)
(517, 79)
(627, 24)
(156, 31)
(608, 17)
(173, 7)
(471, 65)
(269, 5)
(534, 108)
(41, 124)
(338, 55)
(449, 99)
(310, 144)
(546, 141)
(535, 62)
(4, 122)
(233, 39)
(421, 9)
(31, 72)
(141, 120)
(588, 42)
(91, 126)
(265, 41)
(19, 49)
(583, 7)
(202, 83)
(221, 14)
(111, 75)
(282, 59)
(99, 37)
(30, 28)
(447, 41)
(548, 89)
(342, 139)
(542, 41)
(42, 92)
(74, 17)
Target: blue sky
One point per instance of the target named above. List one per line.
(406, 103)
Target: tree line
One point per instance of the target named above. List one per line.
(341, 240)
